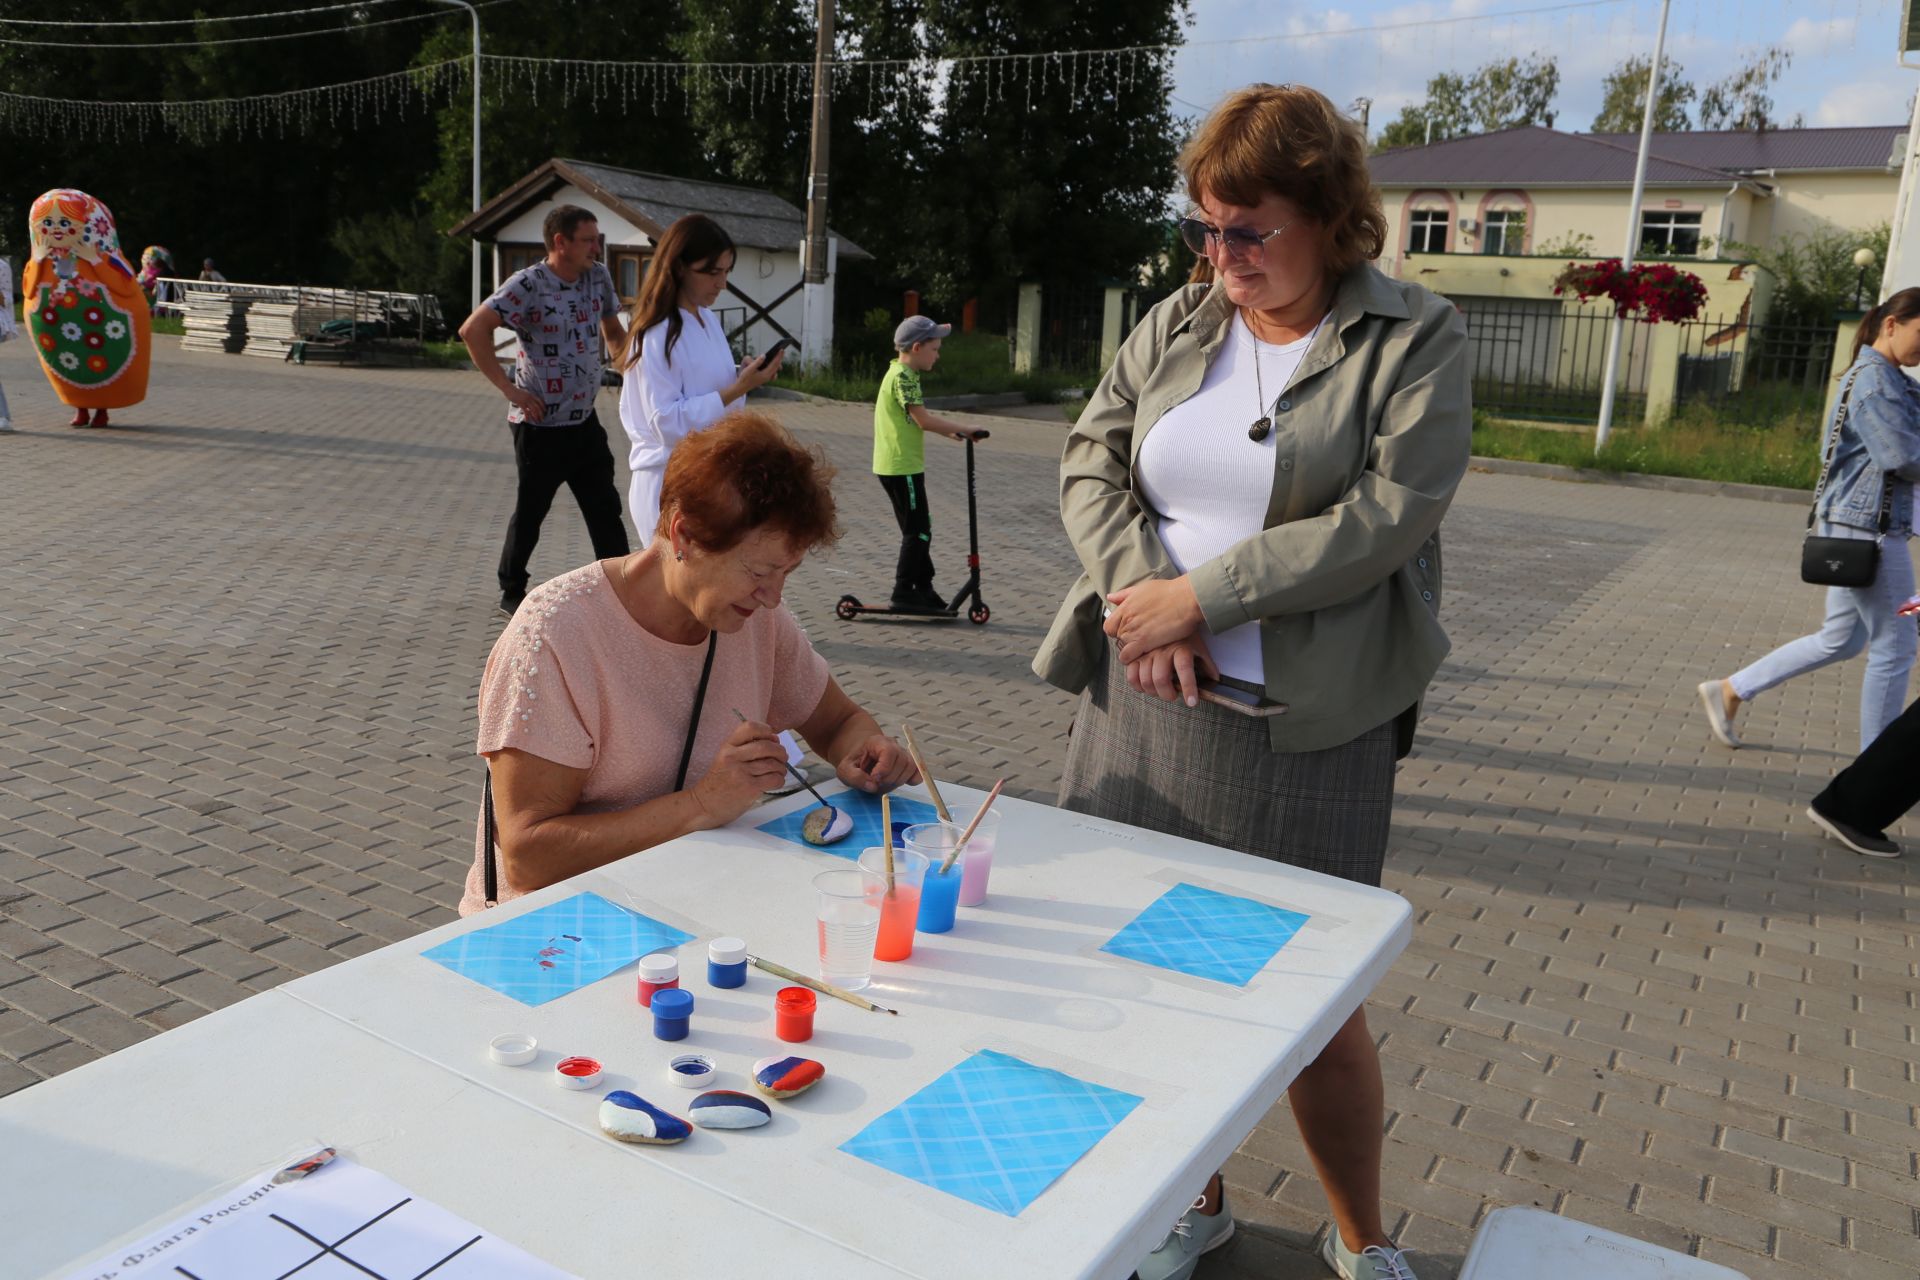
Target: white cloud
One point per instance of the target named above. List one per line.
(1878, 100)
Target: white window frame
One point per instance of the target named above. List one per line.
(1421, 225)
(1663, 226)
(1508, 222)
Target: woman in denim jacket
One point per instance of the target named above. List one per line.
(1879, 444)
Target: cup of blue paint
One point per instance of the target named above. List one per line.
(672, 1013)
(939, 898)
(727, 963)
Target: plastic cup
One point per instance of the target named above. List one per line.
(847, 913)
(900, 907)
(939, 894)
(977, 861)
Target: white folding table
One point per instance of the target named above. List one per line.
(385, 1057)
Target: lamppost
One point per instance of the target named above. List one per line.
(1862, 258)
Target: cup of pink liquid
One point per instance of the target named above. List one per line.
(899, 906)
(976, 861)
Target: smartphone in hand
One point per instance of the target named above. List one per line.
(773, 352)
(1247, 704)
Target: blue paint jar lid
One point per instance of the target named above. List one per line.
(672, 1003)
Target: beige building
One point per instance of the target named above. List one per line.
(1529, 193)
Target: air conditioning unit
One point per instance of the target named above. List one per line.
(1469, 225)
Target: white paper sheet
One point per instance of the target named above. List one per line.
(341, 1222)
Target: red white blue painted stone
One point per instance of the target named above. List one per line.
(728, 1109)
(784, 1077)
(631, 1118)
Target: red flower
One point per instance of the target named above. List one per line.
(95, 340)
(49, 316)
(65, 301)
(93, 315)
(97, 363)
(46, 341)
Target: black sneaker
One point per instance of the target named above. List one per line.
(1872, 844)
(510, 602)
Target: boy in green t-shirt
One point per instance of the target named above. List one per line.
(900, 417)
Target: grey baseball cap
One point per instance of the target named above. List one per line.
(918, 329)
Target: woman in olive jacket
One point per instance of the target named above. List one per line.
(1255, 493)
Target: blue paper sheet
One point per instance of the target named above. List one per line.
(994, 1130)
(1207, 934)
(562, 947)
(865, 810)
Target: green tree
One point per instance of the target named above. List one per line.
(1813, 272)
(1505, 94)
(1623, 101)
(1744, 99)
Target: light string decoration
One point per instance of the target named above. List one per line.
(349, 103)
(1084, 74)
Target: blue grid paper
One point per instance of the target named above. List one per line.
(562, 947)
(994, 1130)
(1207, 934)
(866, 822)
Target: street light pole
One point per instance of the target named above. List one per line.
(478, 296)
(816, 315)
(1605, 424)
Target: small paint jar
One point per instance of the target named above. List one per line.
(727, 963)
(658, 972)
(691, 1070)
(672, 1013)
(576, 1073)
(793, 1014)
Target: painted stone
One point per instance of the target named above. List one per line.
(783, 1077)
(632, 1118)
(728, 1109)
(826, 825)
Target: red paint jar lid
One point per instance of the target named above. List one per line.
(578, 1067)
(794, 1000)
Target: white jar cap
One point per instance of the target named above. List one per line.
(659, 967)
(727, 951)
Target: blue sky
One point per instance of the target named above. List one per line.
(1845, 69)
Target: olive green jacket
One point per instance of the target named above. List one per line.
(1371, 440)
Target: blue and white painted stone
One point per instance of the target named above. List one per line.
(631, 1118)
(728, 1109)
(783, 1076)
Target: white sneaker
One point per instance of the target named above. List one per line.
(1716, 708)
(6, 424)
(1372, 1263)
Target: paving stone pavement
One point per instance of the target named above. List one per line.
(242, 633)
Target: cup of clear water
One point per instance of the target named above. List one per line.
(847, 912)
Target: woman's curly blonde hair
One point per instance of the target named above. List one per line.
(1289, 140)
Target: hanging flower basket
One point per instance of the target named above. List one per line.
(1650, 292)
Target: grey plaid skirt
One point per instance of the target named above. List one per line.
(1209, 774)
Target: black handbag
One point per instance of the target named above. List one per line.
(491, 876)
(1843, 562)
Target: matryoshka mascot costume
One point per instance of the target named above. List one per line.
(83, 306)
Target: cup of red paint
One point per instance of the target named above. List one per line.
(793, 1014)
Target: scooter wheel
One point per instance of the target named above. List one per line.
(847, 608)
(979, 614)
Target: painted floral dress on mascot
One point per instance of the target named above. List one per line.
(84, 310)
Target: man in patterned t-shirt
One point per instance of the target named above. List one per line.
(561, 310)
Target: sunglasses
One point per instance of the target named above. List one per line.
(1241, 243)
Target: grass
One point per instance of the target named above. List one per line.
(970, 364)
(170, 326)
(1695, 445)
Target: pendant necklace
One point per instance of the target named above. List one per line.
(1263, 425)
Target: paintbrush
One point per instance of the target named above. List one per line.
(967, 835)
(833, 814)
(926, 774)
(824, 988)
(886, 837)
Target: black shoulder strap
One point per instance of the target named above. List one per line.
(491, 874)
(1833, 444)
(693, 725)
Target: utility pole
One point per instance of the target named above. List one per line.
(1605, 424)
(816, 315)
(478, 296)
(1363, 107)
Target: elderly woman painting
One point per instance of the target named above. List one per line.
(606, 710)
(1255, 493)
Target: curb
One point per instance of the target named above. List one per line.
(1641, 480)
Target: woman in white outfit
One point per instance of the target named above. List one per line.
(679, 374)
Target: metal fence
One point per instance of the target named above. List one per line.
(1071, 316)
(1545, 360)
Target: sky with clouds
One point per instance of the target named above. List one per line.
(1845, 68)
